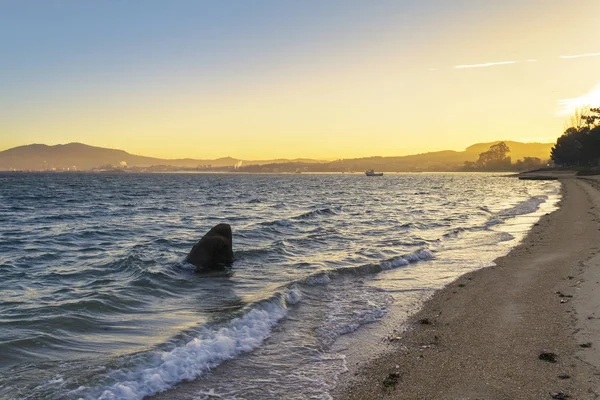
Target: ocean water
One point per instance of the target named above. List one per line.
(97, 303)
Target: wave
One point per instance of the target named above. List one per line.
(251, 253)
(279, 205)
(161, 209)
(529, 206)
(304, 216)
(44, 257)
(60, 218)
(157, 371)
(348, 313)
(454, 232)
(278, 222)
(317, 212)
(525, 207)
(325, 277)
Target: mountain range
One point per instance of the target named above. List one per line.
(78, 156)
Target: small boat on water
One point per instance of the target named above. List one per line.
(372, 173)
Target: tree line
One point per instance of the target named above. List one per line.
(579, 146)
(497, 159)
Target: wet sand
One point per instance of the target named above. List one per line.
(481, 337)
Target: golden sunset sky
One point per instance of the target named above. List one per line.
(281, 78)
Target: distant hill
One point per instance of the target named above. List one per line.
(518, 150)
(37, 157)
(83, 157)
(447, 160)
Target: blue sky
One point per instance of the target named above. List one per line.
(274, 76)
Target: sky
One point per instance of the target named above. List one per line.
(327, 79)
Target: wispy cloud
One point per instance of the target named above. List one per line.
(582, 55)
(568, 106)
(489, 64)
(493, 64)
(512, 62)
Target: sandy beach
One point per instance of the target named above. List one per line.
(526, 328)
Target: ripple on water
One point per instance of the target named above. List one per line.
(93, 278)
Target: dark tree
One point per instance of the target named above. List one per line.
(495, 158)
(593, 117)
(591, 147)
(529, 163)
(569, 148)
(580, 144)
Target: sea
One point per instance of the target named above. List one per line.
(96, 301)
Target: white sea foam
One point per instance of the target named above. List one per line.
(186, 266)
(294, 295)
(58, 380)
(395, 263)
(351, 308)
(163, 369)
(74, 392)
(318, 279)
(406, 259)
(525, 207)
(212, 395)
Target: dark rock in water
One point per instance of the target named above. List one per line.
(214, 250)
